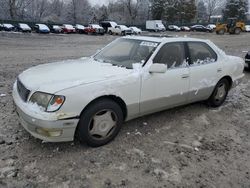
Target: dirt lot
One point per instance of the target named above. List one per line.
(190, 146)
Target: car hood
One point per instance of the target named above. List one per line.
(55, 77)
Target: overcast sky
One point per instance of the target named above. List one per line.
(100, 2)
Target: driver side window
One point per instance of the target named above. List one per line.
(171, 54)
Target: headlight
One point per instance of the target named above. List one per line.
(49, 102)
(41, 99)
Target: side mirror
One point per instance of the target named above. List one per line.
(158, 68)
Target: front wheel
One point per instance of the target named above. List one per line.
(221, 32)
(219, 94)
(100, 123)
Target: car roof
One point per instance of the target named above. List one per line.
(165, 39)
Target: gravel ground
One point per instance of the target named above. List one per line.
(190, 146)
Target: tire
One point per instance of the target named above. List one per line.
(110, 32)
(106, 113)
(221, 32)
(219, 94)
(237, 31)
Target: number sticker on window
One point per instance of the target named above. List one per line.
(150, 44)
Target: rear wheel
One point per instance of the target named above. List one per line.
(100, 123)
(110, 32)
(221, 32)
(219, 94)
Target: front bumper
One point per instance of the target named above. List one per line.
(48, 128)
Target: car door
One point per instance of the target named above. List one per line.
(160, 91)
(205, 70)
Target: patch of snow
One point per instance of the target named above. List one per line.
(156, 161)
(138, 133)
(202, 62)
(177, 144)
(3, 95)
(161, 173)
(138, 152)
(121, 167)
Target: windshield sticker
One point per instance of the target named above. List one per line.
(150, 44)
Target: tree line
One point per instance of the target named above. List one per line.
(122, 11)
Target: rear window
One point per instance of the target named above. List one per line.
(201, 53)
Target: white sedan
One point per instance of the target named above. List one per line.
(90, 98)
(136, 30)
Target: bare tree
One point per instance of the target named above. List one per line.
(17, 8)
(132, 7)
(213, 6)
(78, 11)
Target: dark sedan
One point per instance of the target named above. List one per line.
(201, 28)
(8, 27)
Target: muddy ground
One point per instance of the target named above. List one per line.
(190, 146)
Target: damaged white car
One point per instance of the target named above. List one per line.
(90, 98)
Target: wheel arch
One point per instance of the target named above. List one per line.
(229, 79)
(114, 98)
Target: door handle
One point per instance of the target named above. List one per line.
(219, 70)
(184, 76)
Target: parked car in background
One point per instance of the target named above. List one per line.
(185, 28)
(1, 27)
(247, 60)
(174, 28)
(211, 26)
(94, 29)
(90, 98)
(67, 29)
(247, 28)
(155, 25)
(107, 24)
(80, 28)
(55, 29)
(120, 30)
(201, 28)
(136, 30)
(8, 27)
(42, 28)
(22, 27)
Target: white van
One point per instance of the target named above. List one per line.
(155, 25)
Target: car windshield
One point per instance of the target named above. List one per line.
(125, 52)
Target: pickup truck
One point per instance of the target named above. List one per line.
(120, 30)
